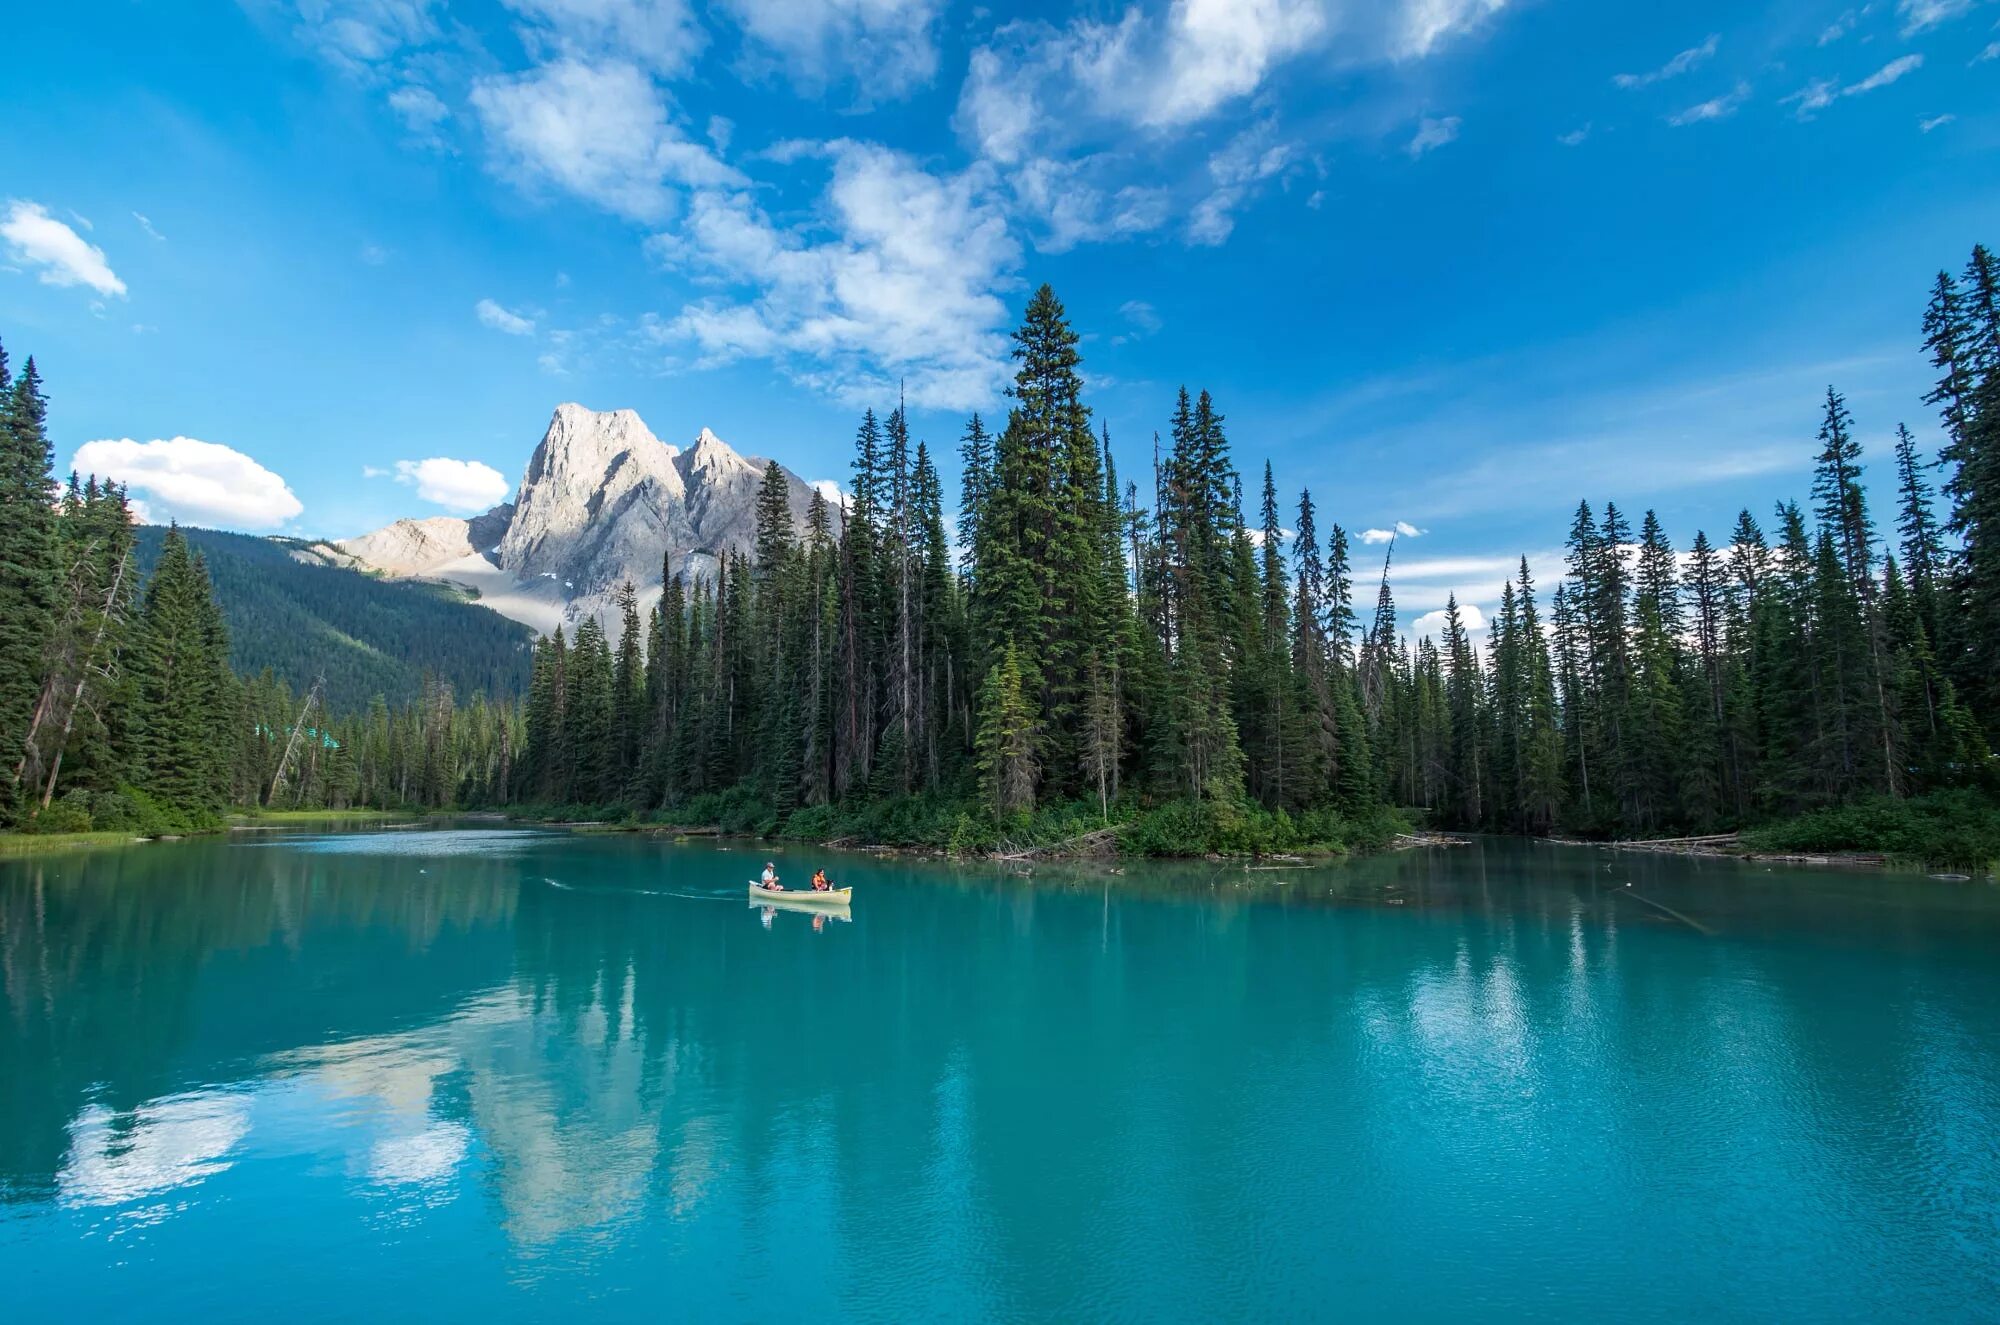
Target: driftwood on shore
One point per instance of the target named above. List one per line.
(1096, 842)
(1729, 846)
(1407, 840)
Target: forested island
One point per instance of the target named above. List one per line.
(1161, 664)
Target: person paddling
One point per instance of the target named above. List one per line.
(770, 880)
(820, 885)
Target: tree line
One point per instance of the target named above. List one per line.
(1087, 642)
(1163, 658)
(118, 707)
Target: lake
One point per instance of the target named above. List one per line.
(474, 1072)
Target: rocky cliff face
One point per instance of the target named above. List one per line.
(602, 501)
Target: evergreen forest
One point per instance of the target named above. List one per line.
(1186, 660)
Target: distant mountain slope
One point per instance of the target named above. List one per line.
(291, 611)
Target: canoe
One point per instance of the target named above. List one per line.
(800, 896)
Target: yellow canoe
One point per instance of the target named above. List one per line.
(833, 897)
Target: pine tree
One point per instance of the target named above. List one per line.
(1006, 744)
(29, 573)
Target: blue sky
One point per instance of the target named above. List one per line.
(1451, 263)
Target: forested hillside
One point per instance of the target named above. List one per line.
(369, 636)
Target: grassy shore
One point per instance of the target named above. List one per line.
(282, 818)
(13, 845)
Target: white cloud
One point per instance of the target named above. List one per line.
(1145, 319)
(1886, 75)
(1715, 108)
(501, 319)
(202, 483)
(36, 239)
(662, 35)
(1401, 529)
(1433, 134)
(1249, 159)
(1215, 51)
(1688, 59)
(1823, 92)
(1422, 25)
(421, 111)
(360, 34)
(599, 131)
(1575, 137)
(458, 485)
(1919, 15)
(896, 278)
(1032, 81)
(371, 471)
(886, 45)
(1839, 28)
(147, 226)
(1992, 52)
(1813, 97)
(1074, 205)
(830, 489)
(374, 255)
(1432, 624)
(1935, 122)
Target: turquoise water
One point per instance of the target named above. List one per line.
(499, 1075)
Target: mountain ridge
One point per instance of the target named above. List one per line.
(601, 501)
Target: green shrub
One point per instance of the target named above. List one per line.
(1943, 828)
(71, 814)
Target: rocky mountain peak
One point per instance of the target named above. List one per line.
(602, 500)
(711, 459)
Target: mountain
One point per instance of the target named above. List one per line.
(300, 609)
(602, 501)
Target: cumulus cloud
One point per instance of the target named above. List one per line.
(36, 239)
(196, 482)
(1432, 624)
(1401, 529)
(895, 279)
(503, 319)
(1918, 15)
(1688, 59)
(599, 131)
(1715, 108)
(458, 485)
(1432, 134)
(888, 45)
(1032, 87)
(830, 489)
(1154, 72)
